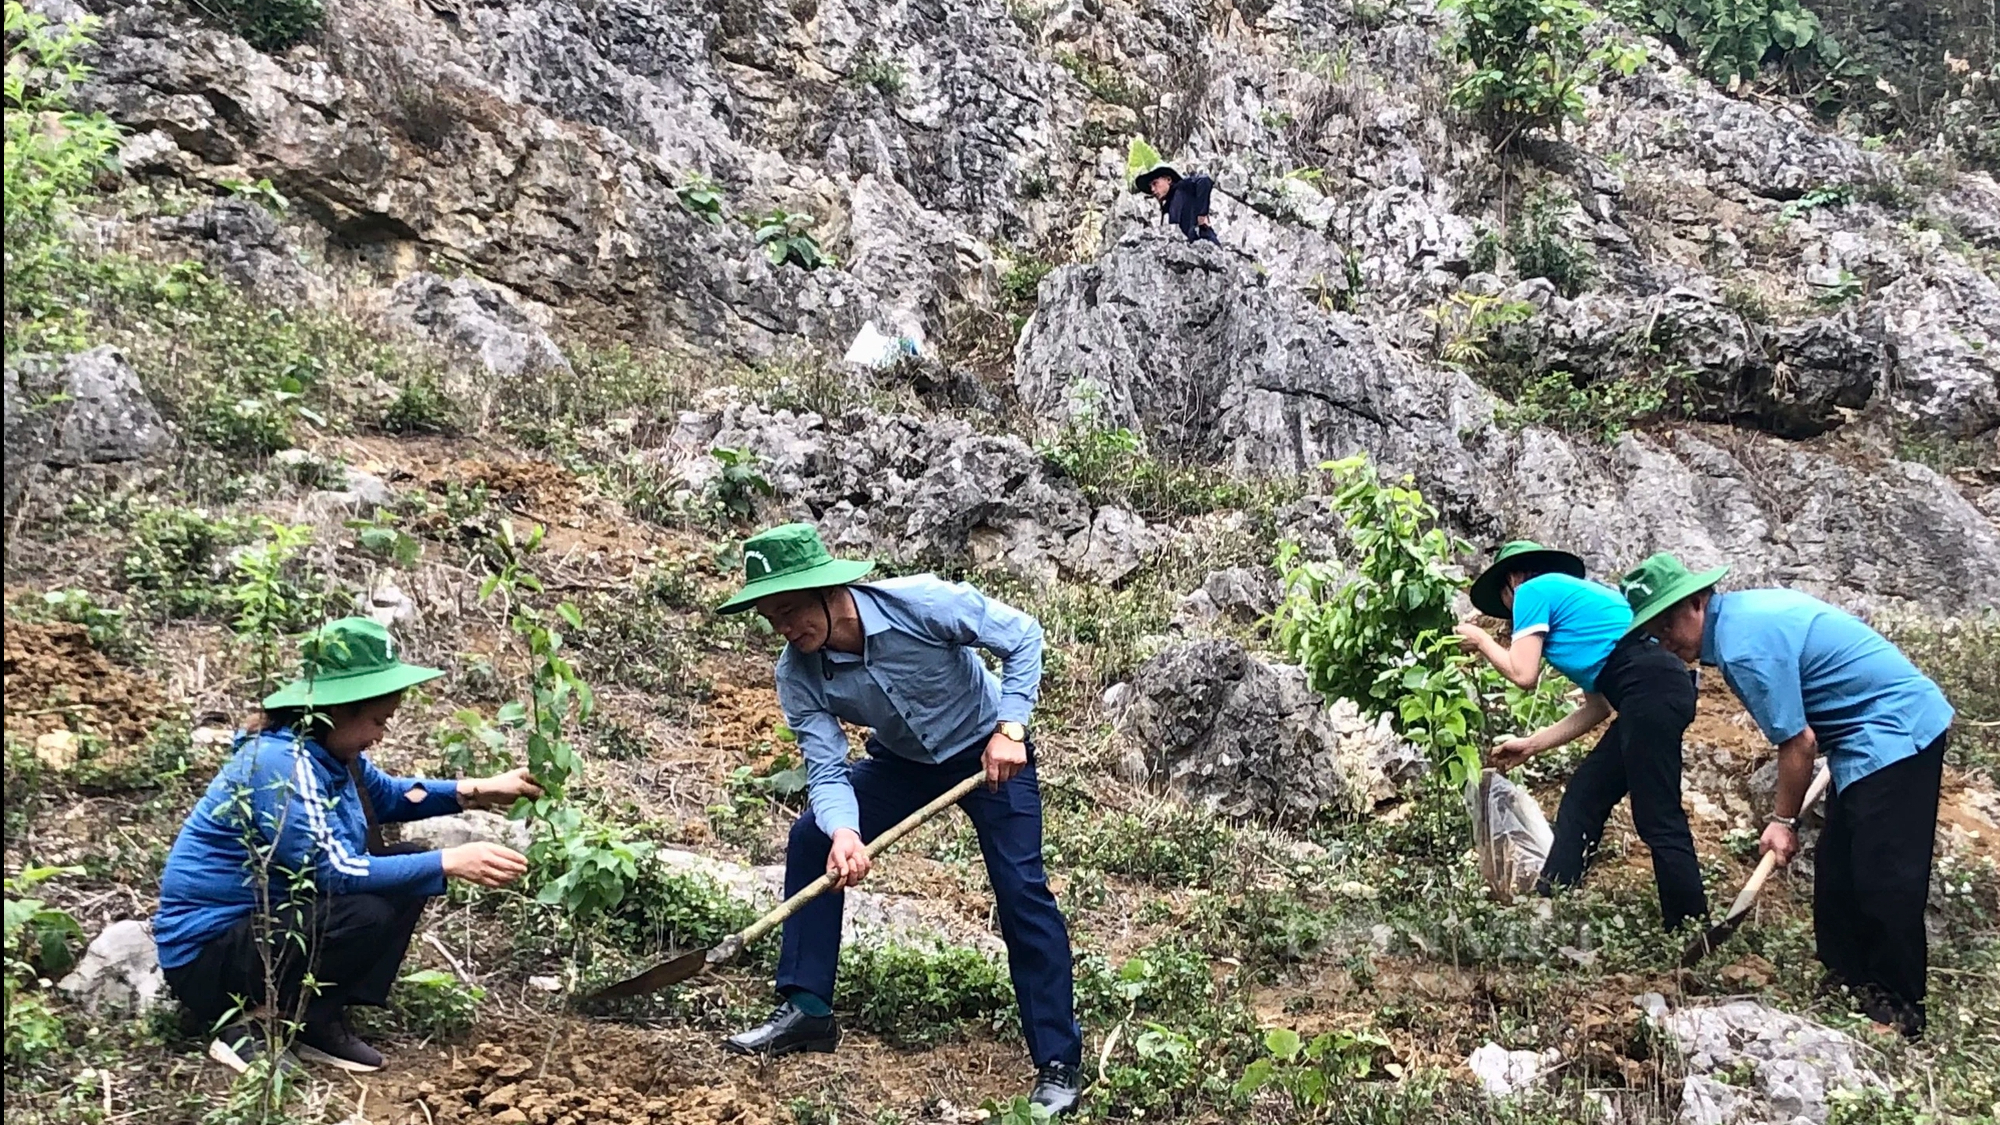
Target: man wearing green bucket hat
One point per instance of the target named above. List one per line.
(1582, 629)
(279, 875)
(900, 657)
(1818, 680)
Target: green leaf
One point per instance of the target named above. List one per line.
(1283, 1043)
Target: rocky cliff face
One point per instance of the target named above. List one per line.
(1812, 295)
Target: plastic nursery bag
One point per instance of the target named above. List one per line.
(1509, 833)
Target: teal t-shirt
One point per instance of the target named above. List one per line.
(1581, 621)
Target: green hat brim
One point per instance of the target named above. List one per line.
(327, 691)
(1660, 603)
(1485, 592)
(833, 572)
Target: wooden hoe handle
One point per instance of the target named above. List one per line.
(881, 843)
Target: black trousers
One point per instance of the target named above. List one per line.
(1871, 880)
(1640, 755)
(353, 946)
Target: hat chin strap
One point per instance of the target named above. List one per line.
(825, 670)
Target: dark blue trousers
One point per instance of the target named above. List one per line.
(1009, 823)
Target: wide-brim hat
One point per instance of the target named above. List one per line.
(1142, 183)
(1518, 555)
(1659, 583)
(788, 558)
(347, 661)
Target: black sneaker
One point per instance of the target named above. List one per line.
(334, 1043)
(1058, 1088)
(788, 1031)
(243, 1045)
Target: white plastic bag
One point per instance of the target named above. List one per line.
(873, 349)
(1509, 833)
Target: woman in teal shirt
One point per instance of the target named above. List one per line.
(1583, 629)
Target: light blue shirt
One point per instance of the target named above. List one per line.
(1796, 661)
(918, 684)
(1581, 620)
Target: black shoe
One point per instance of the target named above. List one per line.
(1058, 1087)
(243, 1045)
(788, 1031)
(334, 1043)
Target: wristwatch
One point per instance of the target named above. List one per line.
(1790, 822)
(1014, 731)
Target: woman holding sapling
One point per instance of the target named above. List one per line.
(278, 882)
(1583, 629)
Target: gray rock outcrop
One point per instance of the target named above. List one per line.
(83, 409)
(473, 826)
(241, 240)
(468, 316)
(1792, 1063)
(1252, 739)
(1215, 364)
(119, 974)
(921, 491)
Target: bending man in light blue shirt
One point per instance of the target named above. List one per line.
(901, 657)
(1818, 680)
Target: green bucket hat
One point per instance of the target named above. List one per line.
(1660, 582)
(1512, 557)
(348, 660)
(789, 558)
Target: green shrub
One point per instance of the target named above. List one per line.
(421, 406)
(37, 941)
(53, 154)
(1527, 63)
(878, 72)
(178, 559)
(1541, 248)
(268, 25)
(701, 197)
(1022, 281)
(1737, 38)
(105, 626)
(783, 236)
(1601, 408)
(1170, 844)
(915, 996)
(437, 1005)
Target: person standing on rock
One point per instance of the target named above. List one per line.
(1583, 629)
(278, 877)
(899, 656)
(1818, 680)
(1183, 199)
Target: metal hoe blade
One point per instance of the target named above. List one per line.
(659, 976)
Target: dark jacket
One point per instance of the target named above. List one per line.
(1186, 202)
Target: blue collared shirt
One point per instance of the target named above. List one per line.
(1583, 621)
(918, 684)
(1796, 661)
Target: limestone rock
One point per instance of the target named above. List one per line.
(472, 826)
(1792, 1063)
(1504, 1072)
(1250, 739)
(120, 972)
(921, 491)
(103, 415)
(466, 315)
(1214, 364)
(241, 240)
(1240, 595)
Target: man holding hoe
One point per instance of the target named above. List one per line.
(1584, 631)
(898, 657)
(1818, 680)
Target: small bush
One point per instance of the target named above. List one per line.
(422, 406)
(1541, 248)
(783, 235)
(875, 71)
(915, 996)
(701, 197)
(268, 25)
(105, 626)
(1170, 844)
(1598, 408)
(178, 559)
(1023, 280)
(437, 1005)
(1526, 60)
